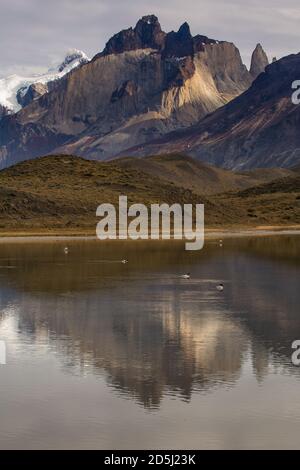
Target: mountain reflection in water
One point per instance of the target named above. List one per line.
(148, 333)
(151, 332)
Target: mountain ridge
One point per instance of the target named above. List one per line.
(257, 129)
(127, 96)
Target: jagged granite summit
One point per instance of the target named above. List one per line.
(259, 61)
(147, 34)
(144, 84)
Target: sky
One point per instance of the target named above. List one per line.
(35, 34)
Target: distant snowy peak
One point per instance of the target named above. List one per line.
(73, 59)
(17, 91)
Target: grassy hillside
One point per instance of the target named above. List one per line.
(200, 177)
(288, 185)
(62, 193)
(277, 202)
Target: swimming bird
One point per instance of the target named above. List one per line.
(220, 287)
(124, 261)
(66, 250)
(186, 276)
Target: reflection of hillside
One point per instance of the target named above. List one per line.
(278, 248)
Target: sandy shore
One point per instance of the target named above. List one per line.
(210, 234)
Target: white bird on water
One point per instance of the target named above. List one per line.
(124, 261)
(66, 250)
(220, 287)
(186, 276)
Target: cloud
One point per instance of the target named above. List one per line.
(36, 32)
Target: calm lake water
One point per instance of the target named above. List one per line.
(102, 354)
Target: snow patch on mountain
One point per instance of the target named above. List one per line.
(13, 85)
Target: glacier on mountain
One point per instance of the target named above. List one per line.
(15, 85)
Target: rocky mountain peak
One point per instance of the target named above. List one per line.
(259, 61)
(146, 34)
(149, 32)
(179, 44)
(73, 57)
(184, 31)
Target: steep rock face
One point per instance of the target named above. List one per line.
(258, 129)
(259, 61)
(144, 84)
(33, 92)
(3, 111)
(168, 94)
(201, 41)
(178, 54)
(36, 137)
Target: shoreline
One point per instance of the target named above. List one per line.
(210, 233)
